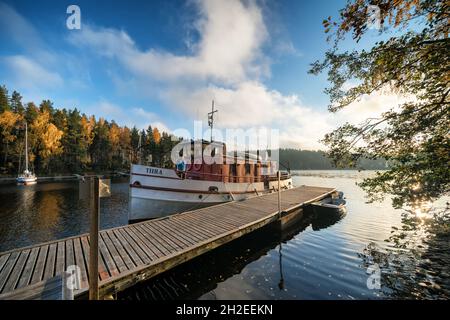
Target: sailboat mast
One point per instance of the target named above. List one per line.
(26, 147)
(139, 148)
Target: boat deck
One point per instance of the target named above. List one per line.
(137, 252)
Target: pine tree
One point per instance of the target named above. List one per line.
(4, 99)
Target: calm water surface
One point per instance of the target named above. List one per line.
(317, 259)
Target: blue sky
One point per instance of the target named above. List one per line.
(162, 62)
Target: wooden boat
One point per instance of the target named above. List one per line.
(157, 192)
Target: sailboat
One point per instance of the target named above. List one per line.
(27, 177)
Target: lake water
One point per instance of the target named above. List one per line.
(314, 260)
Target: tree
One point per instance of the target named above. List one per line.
(101, 146)
(65, 141)
(125, 145)
(413, 136)
(31, 112)
(46, 106)
(4, 100)
(86, 138)
(150, 144)
(8, 122)
(156, 135)
(46, 140)
(134, 144)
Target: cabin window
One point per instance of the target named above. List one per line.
(233, 169)
(247, 168)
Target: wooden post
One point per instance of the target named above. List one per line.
(93, 252)
(279, 194)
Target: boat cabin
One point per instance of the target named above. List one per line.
(217, 165)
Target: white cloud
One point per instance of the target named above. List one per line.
(229, 49)
(227, 65)
(29, 74)
(134, 116)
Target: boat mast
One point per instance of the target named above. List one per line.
(139, 148)
(211, 119)
(26, 147)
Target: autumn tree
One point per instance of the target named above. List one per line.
(156, 135)
(413, 136)
(114, 138)
(46, 139)
(8, 122)
(66, 141)
(125, 145)
(86, 138)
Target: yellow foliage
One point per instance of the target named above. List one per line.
(47, 135)
(51, 140)
(8, 120)
(87, 129)
(114, 135)
(156, 135)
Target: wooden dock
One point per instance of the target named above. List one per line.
(137, 252)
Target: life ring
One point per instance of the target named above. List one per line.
(196, 166)
(181, 166)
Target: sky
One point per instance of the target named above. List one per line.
(161, 63)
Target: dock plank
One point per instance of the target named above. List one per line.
(7, 269)
(107, 258)
(121, 250)
(60, 266)
(80, 261)
(27, 273)
(17, 271)
(51, 259)
(131, 250)
(3, 259)
(116, 258)
(38, 272)
(135, 236)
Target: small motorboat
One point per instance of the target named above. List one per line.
(335, 203)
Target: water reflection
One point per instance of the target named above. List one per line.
(201, 275)
(417, 266)
(52, 210)
(319, 260)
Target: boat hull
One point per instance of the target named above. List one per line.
(156, 192)
(144, 209)
(26, 181)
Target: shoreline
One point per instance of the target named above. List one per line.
(65, 177)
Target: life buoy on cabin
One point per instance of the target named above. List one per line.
(181, 166)
(196, 166)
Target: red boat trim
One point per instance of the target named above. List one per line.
(187, 191)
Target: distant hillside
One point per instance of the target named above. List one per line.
(317, 160)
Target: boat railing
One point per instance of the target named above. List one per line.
(231, 178)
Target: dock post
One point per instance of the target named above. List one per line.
(93, 251)
(279, 194)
